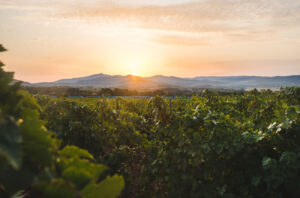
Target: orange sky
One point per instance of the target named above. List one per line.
(50, 40)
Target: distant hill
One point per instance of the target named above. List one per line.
(159, 81)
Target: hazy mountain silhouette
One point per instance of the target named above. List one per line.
(160, 81)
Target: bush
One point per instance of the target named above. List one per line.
(31, 163)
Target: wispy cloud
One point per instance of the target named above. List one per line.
(252, 20)
(29, 5)
(203, 16)
(241, 20)
(179, 40)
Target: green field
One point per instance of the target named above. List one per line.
(213, 145)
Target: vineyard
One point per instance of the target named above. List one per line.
(212, 145)
(242, 145)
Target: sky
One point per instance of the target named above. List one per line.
(55, 39)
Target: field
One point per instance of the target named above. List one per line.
(215, 144)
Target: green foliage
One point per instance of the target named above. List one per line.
(31, 163)
(79, 171)
(108, 188)
(37, 144)
(10, 140)
(95, 127)
(216, 145)
(71, 91)
(8, 99)
(56, 188)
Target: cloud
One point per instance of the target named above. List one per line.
(179, 40)
(29, 5)
(237, 20)
(202, 16)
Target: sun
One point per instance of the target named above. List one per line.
(132, 64)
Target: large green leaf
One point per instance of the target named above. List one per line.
(111, 187)
(10, 140)
(73, 151)
(81, 171)
(37, 142)
(57, 188)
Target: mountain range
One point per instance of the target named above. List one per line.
(160, 81)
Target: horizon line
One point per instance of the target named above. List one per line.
(206, 76)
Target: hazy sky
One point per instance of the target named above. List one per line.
(54, 39)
